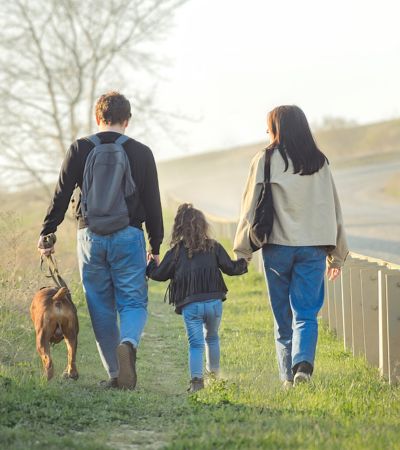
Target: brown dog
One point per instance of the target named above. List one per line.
(55, 318)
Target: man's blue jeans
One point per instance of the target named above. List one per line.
(295, 277)
(202, 320)
(113, 273)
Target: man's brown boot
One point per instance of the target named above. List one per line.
(126, 354)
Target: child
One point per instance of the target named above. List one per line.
(197, 288)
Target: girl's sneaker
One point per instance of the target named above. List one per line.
(195, 385)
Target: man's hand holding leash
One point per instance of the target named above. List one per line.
(46, 244)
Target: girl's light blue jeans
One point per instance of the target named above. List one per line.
(202, 321)
(113, 273)
(295, 277)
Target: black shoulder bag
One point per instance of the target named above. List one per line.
(264, 214)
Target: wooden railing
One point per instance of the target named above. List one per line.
(362, 307)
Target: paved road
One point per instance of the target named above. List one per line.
(372, 219)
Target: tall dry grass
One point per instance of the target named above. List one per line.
(20, 274)
(17, 282)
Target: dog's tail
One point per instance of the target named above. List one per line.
(60, 294)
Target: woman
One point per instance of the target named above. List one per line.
(307, 233)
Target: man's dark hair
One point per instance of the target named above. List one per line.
(113, 108)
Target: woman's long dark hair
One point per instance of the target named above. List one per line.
(291, 134)
(192, 229)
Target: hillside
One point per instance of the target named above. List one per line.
(381, 137)
(342, 146)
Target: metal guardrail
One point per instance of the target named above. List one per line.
(362, 307)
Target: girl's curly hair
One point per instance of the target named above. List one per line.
(191, 228)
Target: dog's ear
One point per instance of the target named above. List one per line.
(61, 293)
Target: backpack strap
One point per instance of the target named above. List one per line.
(122, 139)
(94, 139)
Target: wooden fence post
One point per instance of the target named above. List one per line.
(370, 315)
(357, 324)
(393, 325)
(331, 305)
(324, 312)
(346, 307)
(337, 298)
(383, 319)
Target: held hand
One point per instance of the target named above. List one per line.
(333, 273)
(156, 258)
(42, 248)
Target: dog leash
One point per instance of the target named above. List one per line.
(48, 241)
(53, 270)
(55, 275)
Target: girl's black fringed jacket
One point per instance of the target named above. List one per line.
(197, 278)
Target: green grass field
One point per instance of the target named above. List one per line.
(346, 407)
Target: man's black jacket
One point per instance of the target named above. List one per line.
(147, 207)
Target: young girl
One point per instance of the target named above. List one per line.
(197, 289)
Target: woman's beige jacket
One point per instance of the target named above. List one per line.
(306, 209)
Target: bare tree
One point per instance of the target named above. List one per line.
(56, 56)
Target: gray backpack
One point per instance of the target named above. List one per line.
(107, 185)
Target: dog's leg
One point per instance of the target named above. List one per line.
(43, 348)
(71, 340)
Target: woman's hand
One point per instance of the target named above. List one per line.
(332, 273)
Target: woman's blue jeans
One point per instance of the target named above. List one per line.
(295, 277)
(202, 320)
(113, 273)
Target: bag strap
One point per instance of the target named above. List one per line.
(94, 139)
(267, 166)
(122, 139)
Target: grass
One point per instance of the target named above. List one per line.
(347, 405)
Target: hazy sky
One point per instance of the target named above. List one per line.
(233, 61)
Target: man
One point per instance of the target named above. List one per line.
(112, 265)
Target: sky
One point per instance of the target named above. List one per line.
(230, 62)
